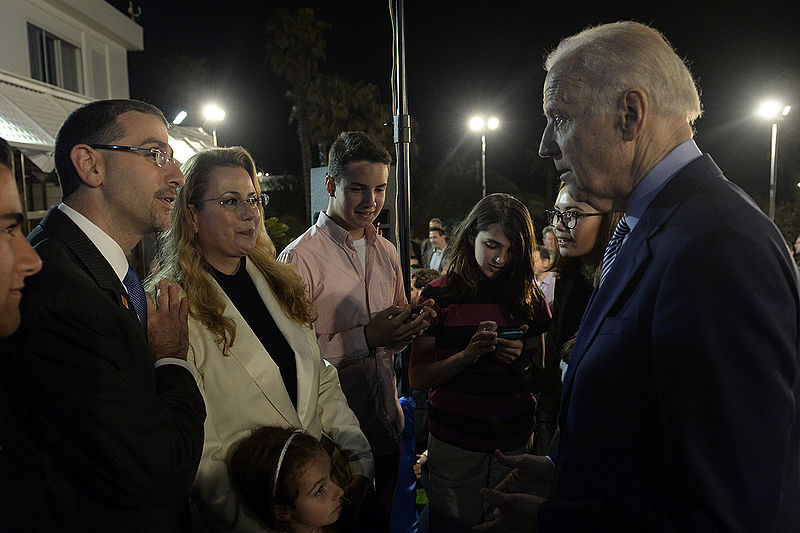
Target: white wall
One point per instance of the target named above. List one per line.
(103, 34)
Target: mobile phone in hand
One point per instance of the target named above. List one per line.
(415, 312)
(511, 334)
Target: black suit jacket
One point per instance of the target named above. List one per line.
(25, 497)
(125, 438)
(681, 404)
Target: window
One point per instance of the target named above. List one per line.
(54, 60)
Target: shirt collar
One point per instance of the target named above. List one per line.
(657, 178)
(339, 234)
(107, 246)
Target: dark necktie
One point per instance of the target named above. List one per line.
(137, 296)
(614, 245)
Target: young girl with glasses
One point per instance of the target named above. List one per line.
(283, 477)
(469, 358)
(582, 234)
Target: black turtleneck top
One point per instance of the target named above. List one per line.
(244, 295)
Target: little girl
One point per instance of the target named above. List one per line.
(283, 477)
(489, 311)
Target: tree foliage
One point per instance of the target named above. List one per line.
(323, 105)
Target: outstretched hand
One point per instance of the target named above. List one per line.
(530, 474)
(512, 512)
(514, 502)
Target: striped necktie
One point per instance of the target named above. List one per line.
(136, 293)
(614, 244)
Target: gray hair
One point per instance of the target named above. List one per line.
(622, 55)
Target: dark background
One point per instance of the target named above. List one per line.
(468, 57)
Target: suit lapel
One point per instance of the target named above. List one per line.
(59, 225)
(255, 358)
(634, 254)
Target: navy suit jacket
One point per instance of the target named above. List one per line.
(124, 438)
(680, 405)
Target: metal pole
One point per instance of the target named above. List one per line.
(402, 140)
(483, 165)
(773, 171)
(214, 135)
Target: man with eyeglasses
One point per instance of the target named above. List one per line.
(101, 367)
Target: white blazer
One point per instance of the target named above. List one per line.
(245, 390)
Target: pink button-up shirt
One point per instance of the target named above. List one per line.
(346, 297)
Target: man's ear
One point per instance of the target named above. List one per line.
(633, 113)
(330, 186)
(89, 165)
(282, 513)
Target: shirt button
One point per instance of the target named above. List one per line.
(354, 256)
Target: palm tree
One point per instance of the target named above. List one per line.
(293, 51)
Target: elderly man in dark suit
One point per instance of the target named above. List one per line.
(680, 405)
(101, 369)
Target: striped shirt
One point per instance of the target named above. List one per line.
(483, 408)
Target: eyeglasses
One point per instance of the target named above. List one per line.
(233, 203)
(160, 157)
(568, 218)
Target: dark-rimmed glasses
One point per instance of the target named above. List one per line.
(568, 218)
(160, 157)
(233, 203)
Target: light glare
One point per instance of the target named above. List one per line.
(493, 123)
(213, 113)
(476, 123)
(769, 109)
(180, 117)
(786, 110)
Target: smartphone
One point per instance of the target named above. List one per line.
(511, 334)
(415, 312)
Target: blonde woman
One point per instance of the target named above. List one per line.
(252, 346)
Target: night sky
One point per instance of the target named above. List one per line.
(466, 57)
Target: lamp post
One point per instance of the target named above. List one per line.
(480, 125)
(774, 112)
(213, 114)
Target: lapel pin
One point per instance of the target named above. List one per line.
(124, 301)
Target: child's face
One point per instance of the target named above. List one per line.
(319, 500)
(492, 250)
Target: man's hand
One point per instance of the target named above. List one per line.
(512, 512)
(168, 323)
(515, 501)
(390, 326)
(507, 350)
(530, 474)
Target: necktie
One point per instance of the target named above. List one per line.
(137, 296)
(614, 245)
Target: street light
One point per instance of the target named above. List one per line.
(480, 125)
(213, 114)
(775, 112)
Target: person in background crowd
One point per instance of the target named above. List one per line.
(100, 368)
(419, 279)
(434, 259)
(353, 278)
(677, 346)
(549, 240)
(544, 278)
(252, 346)
(489, 312)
